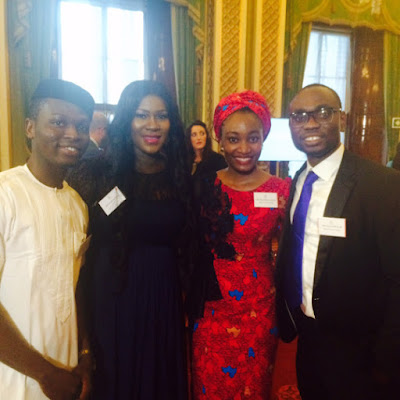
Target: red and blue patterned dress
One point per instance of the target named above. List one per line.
(234, 343)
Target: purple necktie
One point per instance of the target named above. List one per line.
(294, 284)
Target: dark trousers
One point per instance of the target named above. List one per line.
(333, 367)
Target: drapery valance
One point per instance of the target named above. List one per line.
(374, 14)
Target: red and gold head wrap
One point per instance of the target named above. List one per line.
(236, 101)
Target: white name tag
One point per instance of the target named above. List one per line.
(328, 226)
(112, 200)
(265, 200)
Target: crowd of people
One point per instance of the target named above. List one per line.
(152, 273)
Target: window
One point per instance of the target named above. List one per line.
(329, 62)
(101, 47)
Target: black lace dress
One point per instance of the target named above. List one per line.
(135, 295)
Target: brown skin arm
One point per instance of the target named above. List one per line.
(15, 351)
(85, 366)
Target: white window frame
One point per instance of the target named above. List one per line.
(344, 32)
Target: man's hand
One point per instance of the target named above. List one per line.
(60, 384)
(84, 371)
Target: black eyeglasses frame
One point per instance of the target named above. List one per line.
(313, 114)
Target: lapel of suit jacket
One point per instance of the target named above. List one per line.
(286, 223)
(340, 192)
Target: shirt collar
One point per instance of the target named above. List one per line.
(94, 142)
(33, 177)
(328, 167)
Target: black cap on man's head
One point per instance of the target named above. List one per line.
(67, 91)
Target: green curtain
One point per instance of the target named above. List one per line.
(158, 44)
(295, 63)
(32, 38)
(184, 45)
(187, 50)
(392, 89)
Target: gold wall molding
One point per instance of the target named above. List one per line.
(272, 53)
(231, 43)
(5, 119)
(244, 49)
(208, 66)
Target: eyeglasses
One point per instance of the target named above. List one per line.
(321, 116)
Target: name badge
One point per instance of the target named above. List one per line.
(328, 226)
(265, 200)
(112, 200)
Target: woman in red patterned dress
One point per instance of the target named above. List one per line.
(235, 339)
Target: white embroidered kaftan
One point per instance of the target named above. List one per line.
(42, 237)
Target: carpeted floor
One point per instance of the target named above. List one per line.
(284, 386)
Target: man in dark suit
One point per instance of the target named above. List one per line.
(344, 301)
(98, 135)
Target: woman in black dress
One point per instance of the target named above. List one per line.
(132, 265)
(202, 158)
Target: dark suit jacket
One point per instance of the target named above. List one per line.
(213, 163)
(91, 151)
(396, 159)
(356, 293)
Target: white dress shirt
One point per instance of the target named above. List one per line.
(42, 237)
(326, 171)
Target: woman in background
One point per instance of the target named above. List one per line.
(132, 265)
(235, 338)
(202, 158)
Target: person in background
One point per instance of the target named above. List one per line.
(98, 135)
(338, 267)
(232, 302)
(201, 157)
(139, 199)
(396, 160)
(44, 348)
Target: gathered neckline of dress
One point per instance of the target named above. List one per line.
(271, 178)
(162, 172)
(155, 186)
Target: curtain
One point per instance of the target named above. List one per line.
(158, 43)
(188, 42)
(295, 61)
(32, 38)
(374, 14)
(381, 15)
(391, 88)
(184, 49)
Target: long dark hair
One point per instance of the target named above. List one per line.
(121, 159)
(207, 148)
(121, 146)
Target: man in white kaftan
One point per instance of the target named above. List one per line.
(43, 224)
(42, 231)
